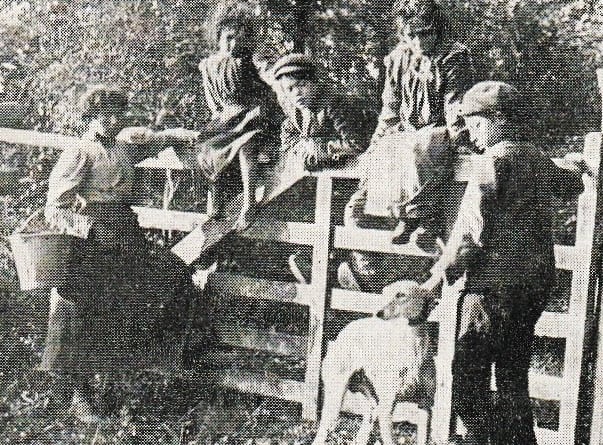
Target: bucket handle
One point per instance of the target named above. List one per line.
(29, 219)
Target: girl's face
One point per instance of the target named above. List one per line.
(112, 122)
(425, 40)
(484, 132)
(231, 38)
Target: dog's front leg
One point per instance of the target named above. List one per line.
(384, 412)
(368, 417)
(334, 389)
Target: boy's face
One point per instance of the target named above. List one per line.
(299, 91)
(485, 131)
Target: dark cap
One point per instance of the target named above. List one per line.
(101, 98)
(293, 64)
(491, 98)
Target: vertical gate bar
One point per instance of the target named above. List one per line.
(319, 288)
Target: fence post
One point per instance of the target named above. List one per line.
(596, 435)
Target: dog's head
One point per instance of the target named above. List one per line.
(408, 301)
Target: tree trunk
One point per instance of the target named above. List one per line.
(302, 14)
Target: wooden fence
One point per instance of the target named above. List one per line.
(319, 296)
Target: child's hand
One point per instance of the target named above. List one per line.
(576, 162)
(135, 135)
(314, 155)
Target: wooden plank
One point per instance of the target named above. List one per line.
(374, 241)
(544, 436)
(213, 231)
(442, 418)
(555, 325)
(264, 229)
(596, 427)
(34, 138)
(152, 218)
(583, 291)
(223, 284)
(281, 231)
(550, 324)
(266, 384)
(567, 258)
(278, 343)
(545, 387)
(319, 289)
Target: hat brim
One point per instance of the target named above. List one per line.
(293, 69)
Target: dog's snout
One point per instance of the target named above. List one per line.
(380, 314)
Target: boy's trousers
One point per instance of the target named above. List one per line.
(496, 328)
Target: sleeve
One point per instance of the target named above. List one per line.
(208, 88)
(64, 184)
(565, 184)
(350, 123)
(142, 142)
(466, 243)
(459, 76)
(390, 98)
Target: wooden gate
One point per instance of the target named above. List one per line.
(319, 297)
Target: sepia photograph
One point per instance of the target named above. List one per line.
(301, 222)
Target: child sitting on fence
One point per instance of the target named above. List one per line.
(245, 115)
(409, 163)
(503, 241)
(245, 118)
(321, 128)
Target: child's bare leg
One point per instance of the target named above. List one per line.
(249, 174)
(215, 201)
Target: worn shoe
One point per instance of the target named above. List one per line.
(301, 268)
(346, 279)
(82, 409)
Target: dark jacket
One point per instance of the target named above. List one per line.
(421, 90)
(337, 119)
(503, 234)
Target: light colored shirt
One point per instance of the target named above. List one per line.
(93, 172)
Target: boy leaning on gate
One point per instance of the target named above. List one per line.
(502, 241)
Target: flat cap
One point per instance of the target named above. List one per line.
(294, 63)
(491, 97)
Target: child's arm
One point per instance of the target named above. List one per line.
(465, 244)
(350, 122)
(290, 135)
(146, 143)
(566, 182)
(64, 202)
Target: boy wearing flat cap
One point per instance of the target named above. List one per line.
(503, 241)
(322, 128)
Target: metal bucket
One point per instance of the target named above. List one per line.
(41, 259)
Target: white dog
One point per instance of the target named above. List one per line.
(396, 357)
